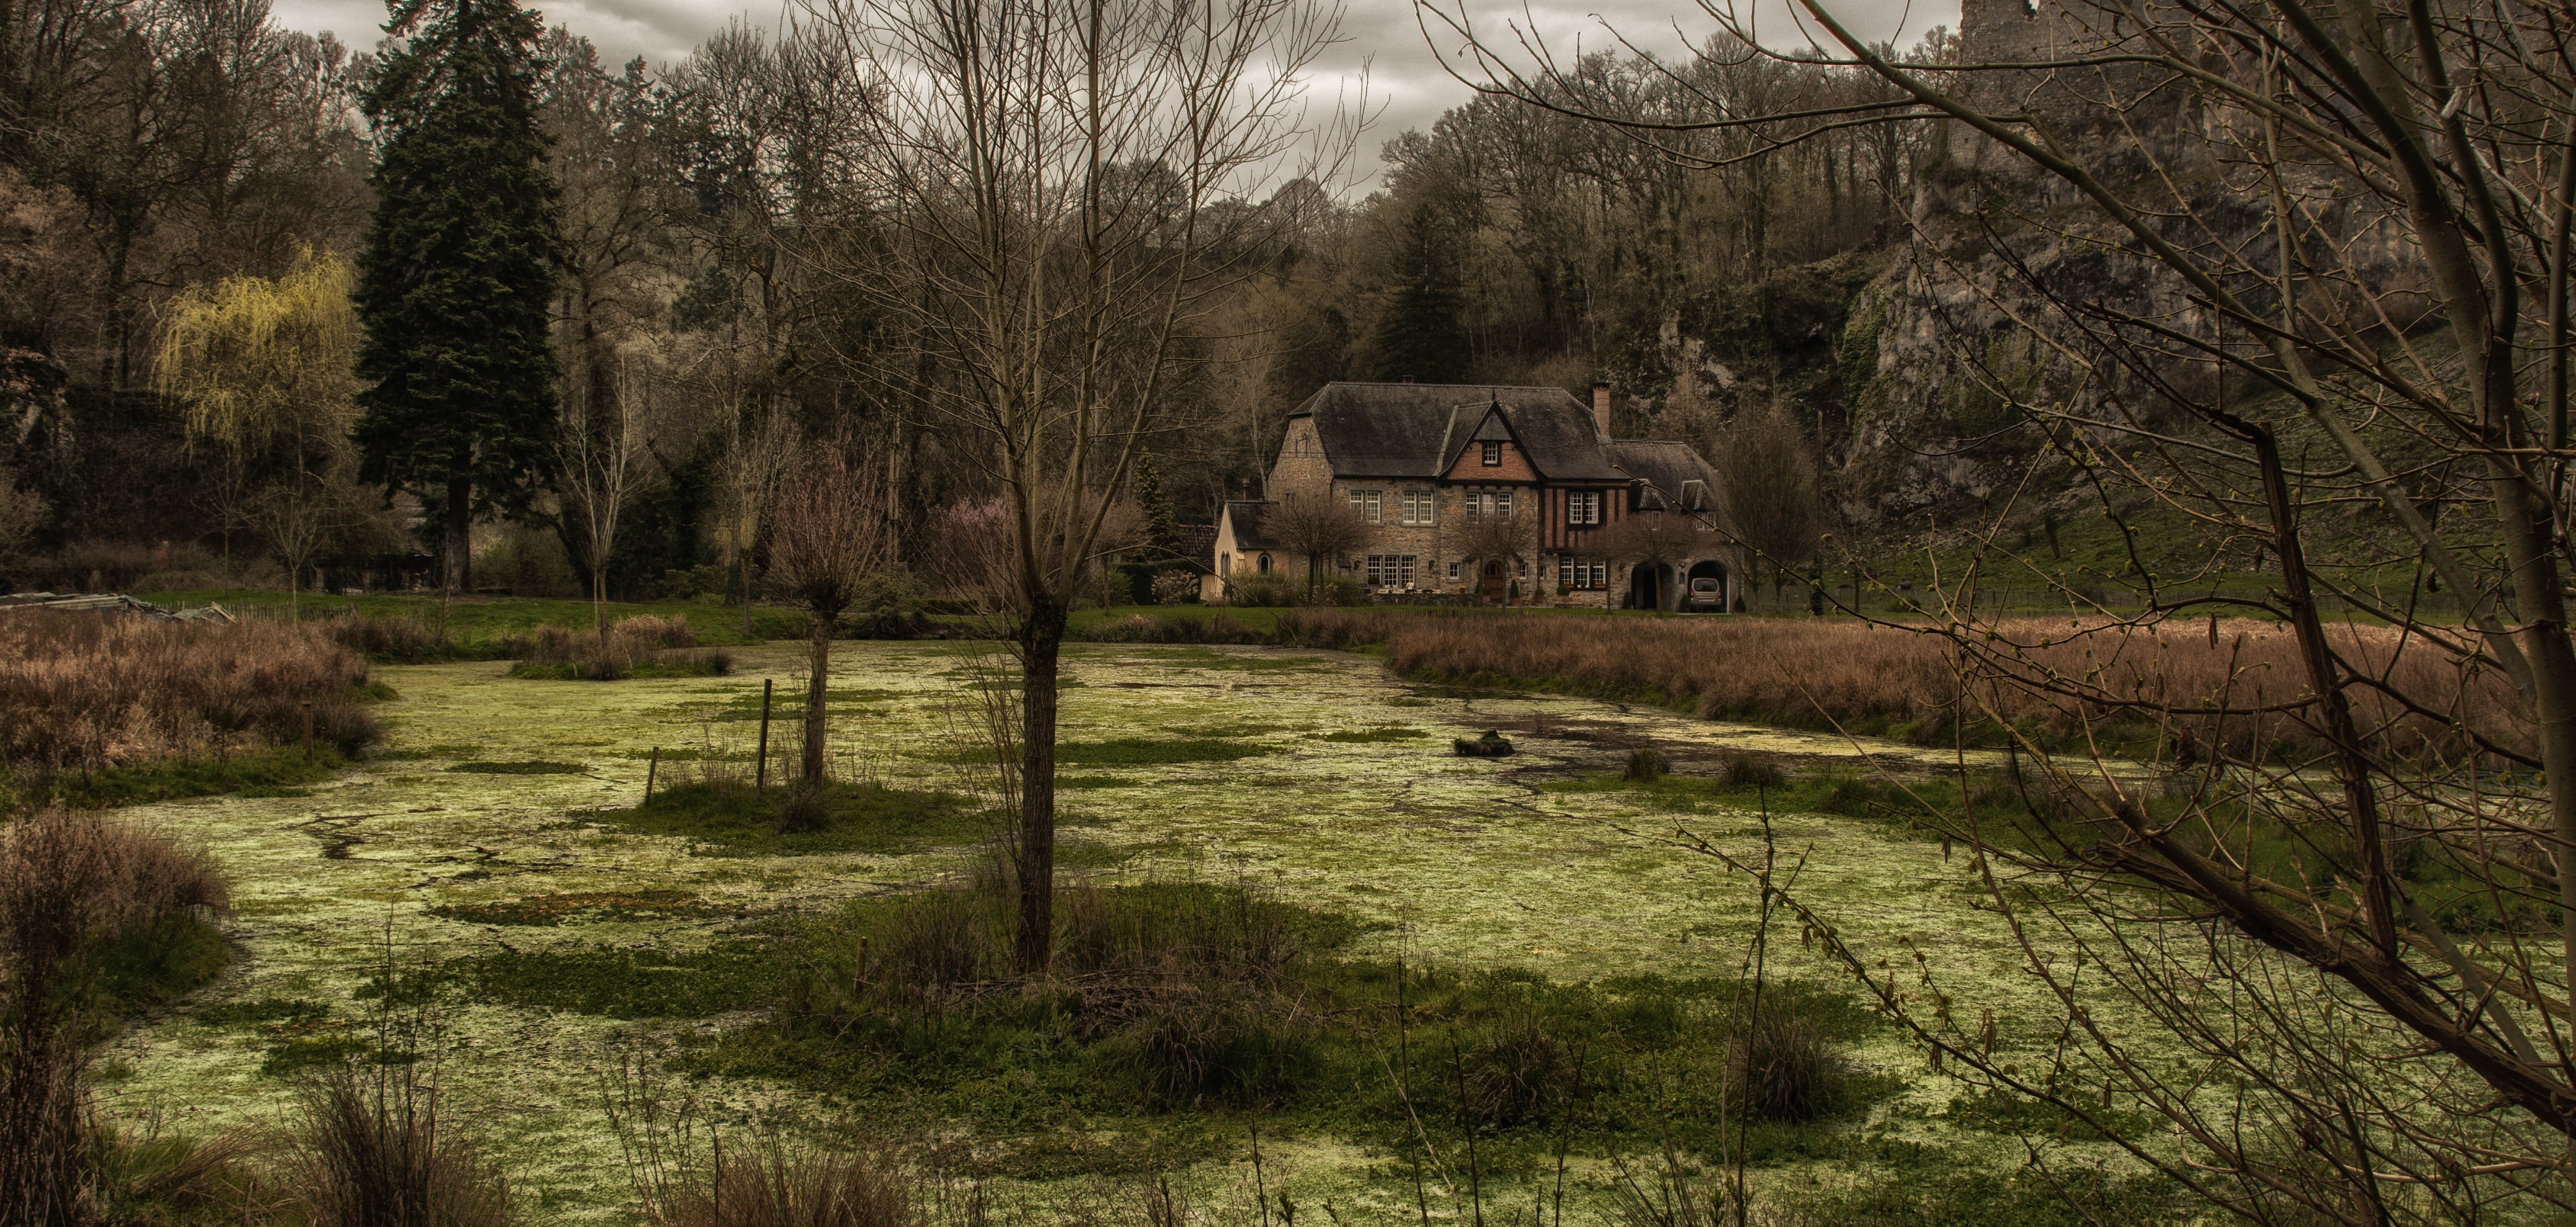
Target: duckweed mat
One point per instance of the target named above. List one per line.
(558, 929)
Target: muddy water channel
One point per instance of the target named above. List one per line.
(480, 801)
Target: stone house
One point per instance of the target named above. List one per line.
(1483, 494)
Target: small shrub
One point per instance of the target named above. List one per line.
(1175, 587)
(642, 646)
(399, 640)
(1645, 766)
(1752, 771)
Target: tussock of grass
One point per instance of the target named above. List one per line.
(730, 817)
(1077, 782)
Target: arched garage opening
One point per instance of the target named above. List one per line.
(1707, 590)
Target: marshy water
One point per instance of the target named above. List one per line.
(1338, 792)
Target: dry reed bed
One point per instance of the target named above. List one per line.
(630, 644)
(2057, 678)
(81, 691)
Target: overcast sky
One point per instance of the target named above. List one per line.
(1404, 69)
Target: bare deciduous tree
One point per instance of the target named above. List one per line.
(600, 453)
(1659, 539)
(1766, 482)
(828, 538)
(2337, 231)
(1319, 530)
(1062, 182)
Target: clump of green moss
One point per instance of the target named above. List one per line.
(556, 909)
(621, 982)
(732, 817)
(1368, 736)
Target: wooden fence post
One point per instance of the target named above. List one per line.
(652, 769)
(761, 781)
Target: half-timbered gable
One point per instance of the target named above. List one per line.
(1501, 494)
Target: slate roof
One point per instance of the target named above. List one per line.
(1668, 468)
(1418, 429)
(1198, 545)
(1250, 530)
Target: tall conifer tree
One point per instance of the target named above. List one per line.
(460, 268)
(1419, 334)
(1162, 527)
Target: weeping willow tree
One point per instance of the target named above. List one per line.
(262, 367)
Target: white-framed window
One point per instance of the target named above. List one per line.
(1370, 504)
(1390, 570)
(1453, 568)
(1493, 453)
(1489, 502)
(1573, 574)
(1418, 506)
(1583, 507)
(1225, 564)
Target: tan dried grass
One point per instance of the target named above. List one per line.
(81, 691)
(70, 883)
(2058, 677)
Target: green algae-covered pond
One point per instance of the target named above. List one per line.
(475, 836)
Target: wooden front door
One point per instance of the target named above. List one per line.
(1493, 584)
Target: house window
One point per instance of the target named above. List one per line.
(1264, 566)
(1368, 503)
(1573, 574)
(1390, 570)
(1453, 569)
(1489, 502)
(1493, 453)
(1225, 564)
(1418, 507)
(1583, 507)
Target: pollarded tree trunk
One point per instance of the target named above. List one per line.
(817, 682)
(1041, 638)
(460, 527)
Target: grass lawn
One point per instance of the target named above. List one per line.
(478, 619)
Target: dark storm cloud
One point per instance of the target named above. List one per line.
(1407, 84)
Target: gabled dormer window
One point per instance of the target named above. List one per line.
(1494, 453)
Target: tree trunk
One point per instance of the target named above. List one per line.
(1040, 638)
(460, 527)
(818, 677)
(599, 598)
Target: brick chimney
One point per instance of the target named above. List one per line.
(1601, 409)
